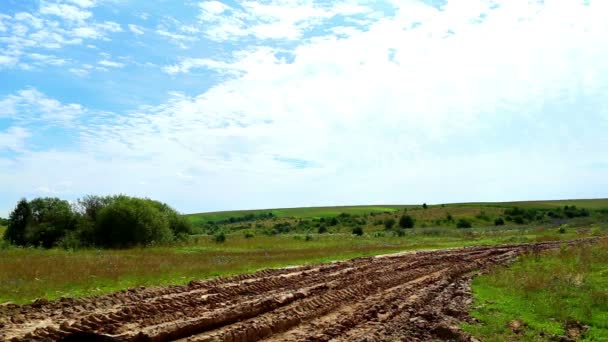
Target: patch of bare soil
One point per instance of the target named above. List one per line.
(419, 296)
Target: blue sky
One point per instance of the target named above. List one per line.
(213, 105)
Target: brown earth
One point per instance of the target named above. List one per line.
(417, 296)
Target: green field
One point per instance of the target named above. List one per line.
(306, 212)
(540, 297)
(599, 203)
(318, 212)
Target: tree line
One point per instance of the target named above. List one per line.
(117, 221)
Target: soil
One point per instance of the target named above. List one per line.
(418, 296)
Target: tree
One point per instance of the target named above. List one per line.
(462, 223)
(131, 221)
(389, 223)
(20, 218)
(424, 206)
(52, 219)
(358, 231)
(499, 221)
(406, 221)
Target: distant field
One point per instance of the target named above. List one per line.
(306, 212)
(600, 203)
(318, 212)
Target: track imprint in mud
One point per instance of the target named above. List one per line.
(412, 296)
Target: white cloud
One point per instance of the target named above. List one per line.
(84, 3)
(7, 61)
(32, 106)
(138, 30)
(13, 138)
(271, 20)
(111, 64)
(79, 72)
(67, 12)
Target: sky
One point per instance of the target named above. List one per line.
(210, 105)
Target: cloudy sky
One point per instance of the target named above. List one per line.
(253, 104)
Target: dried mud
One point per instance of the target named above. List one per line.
(418, 296)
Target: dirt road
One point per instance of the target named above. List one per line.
(413, 296)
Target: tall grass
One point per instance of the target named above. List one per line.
(545, 294)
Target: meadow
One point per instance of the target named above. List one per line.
(30, 273)
(562, 293)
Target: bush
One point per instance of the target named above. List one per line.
(406, 221)
(248, 235)
(322, 229)
(462, 223)
(308, 237)
(424, 206)
(400, 232)
(389, 223)
(358, 231)
(499, 222)
(131, 221)
(519, 220)
(219, 237)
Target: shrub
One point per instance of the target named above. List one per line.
(562, 230)
(449, 218)
(389, 223)
(358, 231)
(462, 223)
(406, 221)
(322, 229)
(424, 206)
(219, 237)
(248, 235)
(308, 237)
(519, 220)
(499, 222)
(400, 232)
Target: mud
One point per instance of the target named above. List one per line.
(420, 296)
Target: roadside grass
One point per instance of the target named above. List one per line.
(30, 273)
(541, 297)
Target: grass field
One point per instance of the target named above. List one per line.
(307, 212)
(318, 212)
(599, 203)
(27, 273)
(540, 297)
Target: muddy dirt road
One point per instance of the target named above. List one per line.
(413, 296)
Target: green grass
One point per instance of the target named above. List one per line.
(28, 273)
(544, 293)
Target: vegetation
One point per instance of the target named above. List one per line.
(112, 221)
(561, 294)
(406, 221)
(389, 223)
(462, 223)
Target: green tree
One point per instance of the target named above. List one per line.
(131, 221)
(52, 219)
(19, 219)
(462, 223)
(406, 221)
(358, 231)
(424, 206)
(389, 223)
